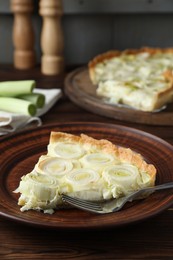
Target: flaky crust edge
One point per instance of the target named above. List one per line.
(123, 154)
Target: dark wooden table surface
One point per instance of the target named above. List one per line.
(149, 239)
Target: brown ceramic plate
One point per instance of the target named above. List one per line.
(81, 91)
(20, 152)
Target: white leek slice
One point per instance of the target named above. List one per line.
(121, 178)
(41, 186)
(82, 179)
(98, 160)
(39, 191)
(55, 166)
(66, 150)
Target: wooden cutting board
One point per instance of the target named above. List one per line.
(81, 91)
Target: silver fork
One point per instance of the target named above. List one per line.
(113, 205)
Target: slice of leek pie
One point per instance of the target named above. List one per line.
(83, 167)
(141, 79)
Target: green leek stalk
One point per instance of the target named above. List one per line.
(15, 88)
(37, 99)
(16, 105)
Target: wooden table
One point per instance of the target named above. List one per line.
(150, 239)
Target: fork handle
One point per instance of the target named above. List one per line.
(167, 185)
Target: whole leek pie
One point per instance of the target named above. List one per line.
(83, 167)
(141, 79)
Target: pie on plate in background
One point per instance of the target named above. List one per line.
(139, 78)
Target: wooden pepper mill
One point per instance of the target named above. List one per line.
(52, 41)
(23, 34)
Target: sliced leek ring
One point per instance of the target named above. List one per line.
(126, 175)
(82, 177)
(97, 160)
(55, 166)
(68, 150)
(39, 186)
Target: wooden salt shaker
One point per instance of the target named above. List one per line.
(52, 41)
(23, 34)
